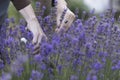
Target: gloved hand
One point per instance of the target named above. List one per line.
(65, 16)
(38, 34)
(33, 26)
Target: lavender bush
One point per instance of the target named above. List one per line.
(89, 50)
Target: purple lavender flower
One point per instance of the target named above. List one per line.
(94, 77)
(1, 65)
(97, 65)
(35, 75)
(91, 75)
(38, 4)
(6, 76)
(59, 68)
(12, 20)
(38, 58)
(73, 77)
(43, 66)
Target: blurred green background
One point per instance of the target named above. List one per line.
(72, 4)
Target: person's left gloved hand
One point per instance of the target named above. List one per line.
(33, 26)
(65, 16)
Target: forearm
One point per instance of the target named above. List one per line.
(25, 8)
(30, 17)
(28, 13)
(61, 3)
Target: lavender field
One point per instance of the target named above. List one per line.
(89, 50)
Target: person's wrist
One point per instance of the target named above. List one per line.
(31, 22)
(32, 19)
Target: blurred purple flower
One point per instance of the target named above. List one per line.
(36, 75)
(97, 65)
(59, 68)
(94, 77)
(73, 77)
(1, 64)
(38, 4)
(6, 76)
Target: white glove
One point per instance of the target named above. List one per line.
(33, 26)
(68, 17)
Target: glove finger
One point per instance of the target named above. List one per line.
(58, 20)
(35, 39)
(37, 46)
(40, 39)
(37, 51)
(56, 30)
(68, 22)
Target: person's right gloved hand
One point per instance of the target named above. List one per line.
(33, 26)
